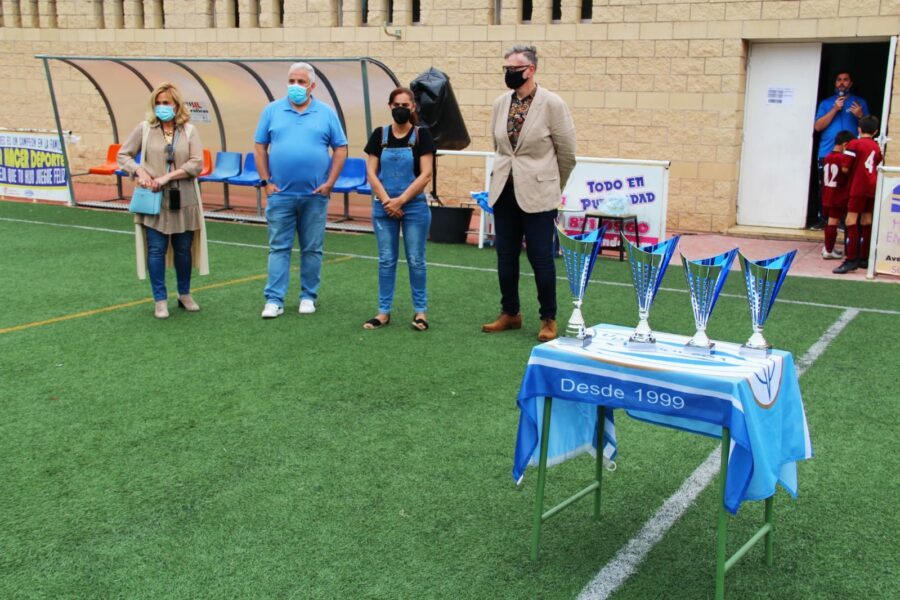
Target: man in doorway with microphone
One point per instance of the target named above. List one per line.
(840, 112)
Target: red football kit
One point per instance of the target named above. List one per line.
(836, 190)
(863, 174)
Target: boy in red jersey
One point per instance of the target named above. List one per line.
(835, 191)
(863, 174)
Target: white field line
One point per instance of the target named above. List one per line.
(882, 311)
(629, 557)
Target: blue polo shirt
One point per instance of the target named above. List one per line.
(299, 159)
(843, 121)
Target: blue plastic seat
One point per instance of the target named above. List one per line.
(353, 175)
(228, 164)
(122, 173)
(249, 177)
(365, 189)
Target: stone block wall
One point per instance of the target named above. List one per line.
(649, 79)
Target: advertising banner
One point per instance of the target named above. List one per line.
(199, 111)
(617, 187)
(887, 239)
(32, 166)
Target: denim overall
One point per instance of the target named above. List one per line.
(396, 173)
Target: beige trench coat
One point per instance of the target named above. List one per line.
(188, 156)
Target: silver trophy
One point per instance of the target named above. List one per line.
(648, 265)
(764, 278)
(579, 255)
(705, 278)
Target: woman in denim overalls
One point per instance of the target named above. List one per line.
(400, 204)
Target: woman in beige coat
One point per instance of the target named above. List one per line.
(171, 159)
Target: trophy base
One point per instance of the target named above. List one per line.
(584, 342)
(754, 351)
(705, 350)
(641, 345)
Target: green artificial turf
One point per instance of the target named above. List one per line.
(217, 455)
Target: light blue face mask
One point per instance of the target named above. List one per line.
(297, 93)
(165, 112)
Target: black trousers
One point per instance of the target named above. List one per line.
(511, 226)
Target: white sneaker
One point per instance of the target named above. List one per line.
(270, 311)
(833, 255)
(307, 306)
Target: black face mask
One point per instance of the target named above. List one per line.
(400, 114)
(515, 79)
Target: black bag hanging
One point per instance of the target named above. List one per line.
(439, 111)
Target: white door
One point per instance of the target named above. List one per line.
(779, 110)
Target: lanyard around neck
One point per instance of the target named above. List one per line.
(175, 133)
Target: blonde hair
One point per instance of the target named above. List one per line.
(182, 115)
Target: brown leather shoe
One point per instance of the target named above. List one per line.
(548, 330)
(503, 322)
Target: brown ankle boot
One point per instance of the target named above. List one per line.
(548, 330)
(503, 322)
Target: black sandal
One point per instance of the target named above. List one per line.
(420, 324)
(376, 323)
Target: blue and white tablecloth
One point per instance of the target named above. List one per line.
(758, 399)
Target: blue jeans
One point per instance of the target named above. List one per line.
(304, 215)
(415, 224)
(157, 246)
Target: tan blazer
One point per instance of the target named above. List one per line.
(543, 158)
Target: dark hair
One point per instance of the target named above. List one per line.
(413, 115)
(844, 72)
(843, 137)
(529, 52)
(869, 124)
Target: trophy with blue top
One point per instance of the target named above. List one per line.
(764, 278)
(705, 278)
(648, 265)
(579, 255)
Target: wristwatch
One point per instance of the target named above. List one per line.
(263, 182)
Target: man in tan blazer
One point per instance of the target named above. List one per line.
(534, 145)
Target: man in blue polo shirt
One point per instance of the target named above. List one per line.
(293, 139)
(840, 112)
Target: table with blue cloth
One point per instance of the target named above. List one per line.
(568, 395)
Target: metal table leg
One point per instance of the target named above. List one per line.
(601, 427)
(766, 531)
(539, 515)
(722, 527)
(542, 477)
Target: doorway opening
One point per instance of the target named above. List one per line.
(867, 65)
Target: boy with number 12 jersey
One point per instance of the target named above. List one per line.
(863, 175)
(835, 191)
